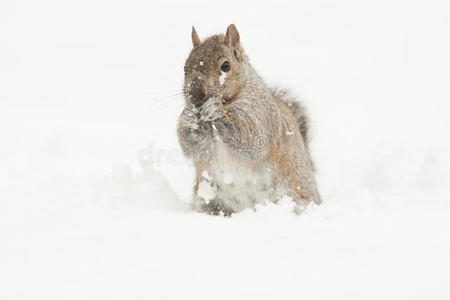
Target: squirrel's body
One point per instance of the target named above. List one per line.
(246, 140)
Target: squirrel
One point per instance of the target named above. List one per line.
(248, 142)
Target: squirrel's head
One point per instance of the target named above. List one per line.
(214, 68)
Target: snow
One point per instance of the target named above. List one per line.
(94, 190)
(206, 175)
(222, 77)
(228, 178)
(206, 191)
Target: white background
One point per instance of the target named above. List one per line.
(94, 191)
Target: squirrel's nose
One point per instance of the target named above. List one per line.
(197, 93)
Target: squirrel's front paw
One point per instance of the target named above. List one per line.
(190, 119)
(211, 110)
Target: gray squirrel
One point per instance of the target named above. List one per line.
(248, 142)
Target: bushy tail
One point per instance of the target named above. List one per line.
(297, 109)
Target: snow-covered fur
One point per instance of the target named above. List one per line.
(297, 109)
(248, 142)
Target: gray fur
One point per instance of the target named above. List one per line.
(297, 108)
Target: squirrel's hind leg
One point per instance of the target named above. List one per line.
(213, 207)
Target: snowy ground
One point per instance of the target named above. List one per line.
(94, 190)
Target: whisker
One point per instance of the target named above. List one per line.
(168, 100)
(168, 97)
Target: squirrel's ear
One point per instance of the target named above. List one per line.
(232, 36)
(195, 38)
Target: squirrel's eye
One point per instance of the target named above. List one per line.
(185, 71)
(225, 67)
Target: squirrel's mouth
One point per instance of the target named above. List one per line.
(198, 100)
